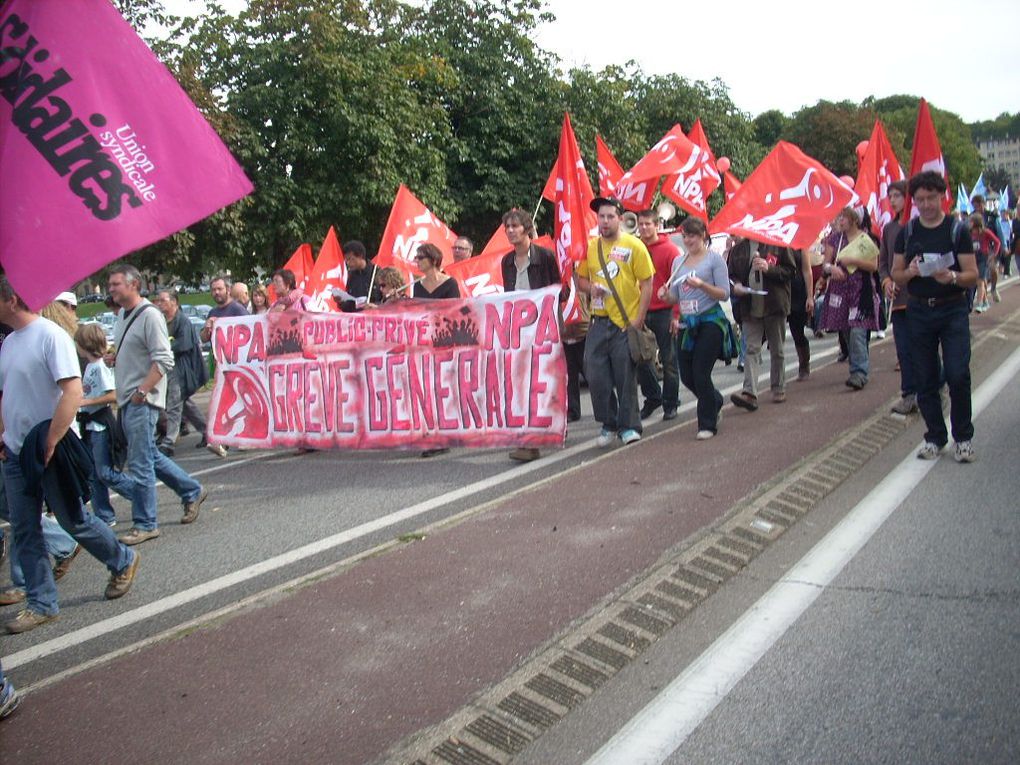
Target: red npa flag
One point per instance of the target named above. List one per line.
(731, 185)
(411, 223)
(330, 271)
(480, 275)
(634, 196)
(787, 200)
(709, 182)
(878, 168)
(686, 165)
(571, 198)
(497, 243)
(301, 264)
(927, 155)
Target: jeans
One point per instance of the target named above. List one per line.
(611, 375)
(696, 372)
(145, 464)
(947, 326)
(178, 410)
(772, 328)
(58, 542)
(857, 347)
(668, 395)
(106, 477)
(901, 334)
(91, 533)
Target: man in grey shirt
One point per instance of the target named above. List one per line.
(142, 359)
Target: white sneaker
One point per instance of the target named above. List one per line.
(880, 334)
(964, 452)
(217, 449)
(629, 436)
(930, 451)
(605, 438)
(704, 435)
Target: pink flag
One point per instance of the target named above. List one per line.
(102, 151)
(878, 168)
(411, 223)
(787, 200)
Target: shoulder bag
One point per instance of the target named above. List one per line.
(641, 342)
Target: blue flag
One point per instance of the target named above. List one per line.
(963, 201)
(1004, 199)
(979, 187)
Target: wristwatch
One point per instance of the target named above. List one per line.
(954, 277)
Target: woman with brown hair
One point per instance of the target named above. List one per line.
(434, 284)
(259, 300)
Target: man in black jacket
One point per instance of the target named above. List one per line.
(362, 277)
(526, 267)
(39, 381)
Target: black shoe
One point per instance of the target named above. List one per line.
(745, 401)
(648, 408)
(433, 452)
(573, 417)
(202, 443)
(842, 357)
(167, 451)
(668, 414)
(740, 367)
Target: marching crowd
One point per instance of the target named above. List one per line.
(652, 320)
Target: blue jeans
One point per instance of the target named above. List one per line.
(901, 334)
(91, 533)
(105, 477)
(947, 326)
(145, 463)
(857, 344)
(58, 542)
(611, 375)
(668, 395)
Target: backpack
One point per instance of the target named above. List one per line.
(954, 235)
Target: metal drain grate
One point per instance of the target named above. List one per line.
(626, 638)
(579, 671)
(554, 690)
(529, 711)
(459, 753)
(604, 653)
(498, 734)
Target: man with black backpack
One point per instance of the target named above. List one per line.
(141, 361)
(934, 260)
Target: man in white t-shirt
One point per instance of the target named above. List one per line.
(39, 381)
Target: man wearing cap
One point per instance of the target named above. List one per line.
(619, 262)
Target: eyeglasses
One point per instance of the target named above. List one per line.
(421, 257)
(461, 248)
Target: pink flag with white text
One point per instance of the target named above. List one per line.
(101, 151)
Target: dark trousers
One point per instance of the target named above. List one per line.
(696, 372)
(948, 327)
(611, 375)
(574, 353)
(797, 321)
(668, 395)
(901, 334)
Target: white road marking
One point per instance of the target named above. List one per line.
(162, 605)
(659, 729)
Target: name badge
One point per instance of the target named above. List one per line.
(688, 307)
(620, 254)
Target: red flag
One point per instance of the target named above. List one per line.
(731, 185)
(480, 275)
(635, 196)
(710, 182)
(330, 271)
(687, 166)
(580, 174)
(610, 171)
(787, 200)
(927, 155)
(300, 264)
(497, 243)
(572, 196)
(878, 168)
(411, 223)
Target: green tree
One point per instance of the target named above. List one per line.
(769, 127)
(830, 132)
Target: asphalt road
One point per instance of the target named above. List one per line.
(224, 587)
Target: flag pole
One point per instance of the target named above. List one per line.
(537, 208)
(371, 282)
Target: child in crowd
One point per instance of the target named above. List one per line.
(96, 412)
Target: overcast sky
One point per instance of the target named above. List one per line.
(785, 54)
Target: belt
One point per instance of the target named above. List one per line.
(935, 302)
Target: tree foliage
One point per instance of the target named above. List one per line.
(329, 105)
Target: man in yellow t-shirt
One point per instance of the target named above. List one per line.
(611, 375)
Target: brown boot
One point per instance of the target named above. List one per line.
(804, 357)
